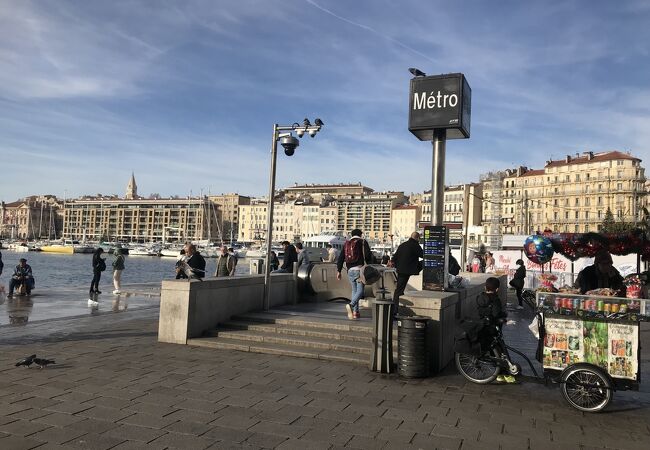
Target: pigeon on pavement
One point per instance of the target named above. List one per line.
(26, 361)
(42, 362)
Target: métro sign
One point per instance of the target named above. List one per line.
(440, 102)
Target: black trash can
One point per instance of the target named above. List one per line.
(381, 359)
(413, 355)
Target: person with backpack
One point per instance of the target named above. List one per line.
(406, 261)
(356, 253)
(99, 265)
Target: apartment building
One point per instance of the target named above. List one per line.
(404, 221)
(228, 207)
(371, 213)
(569, 195)
(252, 221)
(319, 192)
(33, 217)
(140, 220)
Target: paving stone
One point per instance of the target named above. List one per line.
(288, 431)
(299, 444)
(438, 442)
(68, 407)
(57, 435)
(147, 420)
(364, 442)
(94, 426)
(94, 441)
(102, 413)
(231, 435)
(193, 416)
(183, 427)
(266, 440)
(134, 433)
(347, 415)
(238, 422)
(335, 437)
(19, 443)
(58, 419)
(22, 428)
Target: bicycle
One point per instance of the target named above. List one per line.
(584, 386)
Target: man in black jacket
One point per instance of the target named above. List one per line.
(290, 257)
(356, 252)
(195, 261)
(406, 261)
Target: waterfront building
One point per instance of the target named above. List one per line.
(370, 213)
(252, 221)
(461, 212)
(327, 192)
(228, 207)
(135, 219)
(404, 220)
(33, 217)
(569, 195)
(293, 221)
(140, 220)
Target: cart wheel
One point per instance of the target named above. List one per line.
(586, 387)
(516, 370)
(475, 369)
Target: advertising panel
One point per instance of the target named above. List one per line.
(611, 346)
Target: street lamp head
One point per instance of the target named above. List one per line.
(318, 122)
(306, 122)
(289, 143)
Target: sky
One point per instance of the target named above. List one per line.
(185, 93)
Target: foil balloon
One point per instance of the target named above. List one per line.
(538, 249)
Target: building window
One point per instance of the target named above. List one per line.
(555, 202)
(586, 214)
(588, 176)
(577, 214)
(577, 177)
(619, 186)
(577, 201)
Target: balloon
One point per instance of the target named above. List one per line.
(538, 249)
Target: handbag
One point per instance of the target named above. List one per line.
(368, 274)
(517, 283)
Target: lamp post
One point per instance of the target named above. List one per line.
(283, 134)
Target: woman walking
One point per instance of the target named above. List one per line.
(99, 265)
(118, 267)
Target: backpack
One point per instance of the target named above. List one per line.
(353, 250)
(101, 265)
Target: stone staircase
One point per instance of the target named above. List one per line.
(306, 335)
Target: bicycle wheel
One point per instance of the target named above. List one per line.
(476, 369)
(586, 387)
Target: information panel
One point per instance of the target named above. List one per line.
(434, 273)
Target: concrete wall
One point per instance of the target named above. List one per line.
(189, 308)
(445, 309)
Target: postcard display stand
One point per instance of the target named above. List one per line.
(603, 331)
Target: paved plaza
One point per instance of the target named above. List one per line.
(115, 387)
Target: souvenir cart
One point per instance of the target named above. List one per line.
(591, 343)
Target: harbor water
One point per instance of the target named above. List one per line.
(55, 271)
(62, 283)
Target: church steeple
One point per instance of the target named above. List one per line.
(131, 189)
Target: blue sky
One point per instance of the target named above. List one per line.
(185, 93)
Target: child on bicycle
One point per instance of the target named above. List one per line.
(491, 311)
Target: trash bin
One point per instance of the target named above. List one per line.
(256, 266)
(381, 359)
(413, 355)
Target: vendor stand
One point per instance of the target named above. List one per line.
(590, 342)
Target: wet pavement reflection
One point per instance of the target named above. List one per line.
(65, 303)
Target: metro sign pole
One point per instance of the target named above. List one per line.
(439, 109)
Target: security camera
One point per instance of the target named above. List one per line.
(300, 132)
(289, 143)
(313, 131)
